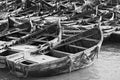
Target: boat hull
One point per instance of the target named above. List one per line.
(71, 54)
(115, 37)
(64, 65)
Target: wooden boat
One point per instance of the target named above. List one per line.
(9, 8)
(5, 5)
(34, 10)
(83, 14)
(67, 10)
(72, 54)
(71, 30)
(39, 7)
(104, 6)
(108, 28)
(40, 39)
(107, 24)
(11, 26)
(108, 16)
(75, 27)
(115, 35)
(17, 9)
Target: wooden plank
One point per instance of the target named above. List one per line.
(23, 32)
(77, 46)
(68, 35)
(72, 31)
(77, 37)
(43, 41)
(61, 52)
(89, 39)
(11, 37)
(39, 40)
(53, 35)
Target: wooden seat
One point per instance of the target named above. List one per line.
(61, 53)
(89, 39)
(68, 35)
(11, 37)
(24, 32)
(53, 35)
(78, 47)
(43, 41)
(72, 31)
(39, 39)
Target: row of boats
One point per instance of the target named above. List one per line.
(52, 37)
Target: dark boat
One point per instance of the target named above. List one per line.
(9, 26)
(46, 38)
(71, 29)
(107, 24)
(14, 8)
(108, 28)
(115, 35)
(73, 53)
(108, 16)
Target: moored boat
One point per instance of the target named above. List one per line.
(10, 26)
(115, 35)
(107, 24)
(72, 54)
(40, 39)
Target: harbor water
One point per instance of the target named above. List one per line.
(106, 67)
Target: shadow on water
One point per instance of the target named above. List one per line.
(106, 67)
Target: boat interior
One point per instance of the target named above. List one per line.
(107, 16)
(56, 53)
(3, 27)
(71, 31)
(12, 36)
(34, 44)
(75, 47)
(25, 50)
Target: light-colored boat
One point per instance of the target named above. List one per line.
(40, 40)
(73, 53)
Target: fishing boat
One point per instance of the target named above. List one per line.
(107, 4)
(47, 38)
(115, 35)
(9, 7)
(108, 28)
(72, 29)
(71, 54)
(10, 26)
(107, 24)
(108, 16)
(19, 8)
(38, 7)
